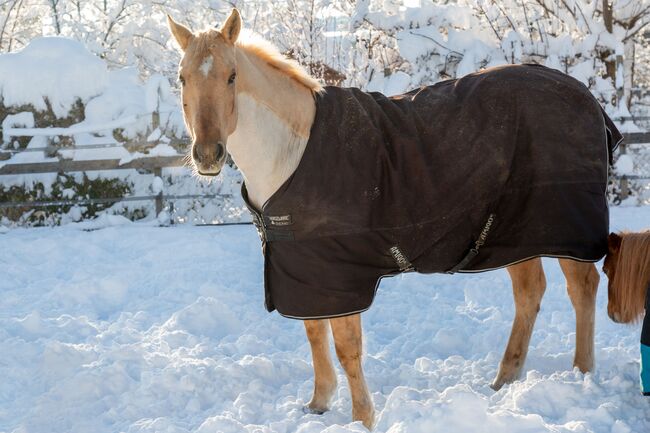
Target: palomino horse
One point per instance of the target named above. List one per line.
(241, 93)
(627, 266)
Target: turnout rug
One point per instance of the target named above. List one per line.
(467, 175)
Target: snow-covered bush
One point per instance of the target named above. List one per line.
(63, 187)
(109, 114)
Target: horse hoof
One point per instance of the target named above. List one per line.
(313, 411)
(496, 386)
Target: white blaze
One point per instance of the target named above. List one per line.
(206, 66)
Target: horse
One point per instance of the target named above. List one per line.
(627, 267)
(241, 97)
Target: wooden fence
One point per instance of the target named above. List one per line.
(157, 163)
(151, 164)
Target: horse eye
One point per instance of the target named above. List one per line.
(232, 77)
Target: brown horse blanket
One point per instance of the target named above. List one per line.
(467, 175)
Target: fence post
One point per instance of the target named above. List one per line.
(155, 119)
(157, 171)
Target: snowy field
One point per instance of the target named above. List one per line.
(135, 328)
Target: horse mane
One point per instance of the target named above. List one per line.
(264, 50)
(632, 274)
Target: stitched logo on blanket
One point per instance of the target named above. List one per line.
(282, 220)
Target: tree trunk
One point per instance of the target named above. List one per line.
(55, 14)
(630, 54)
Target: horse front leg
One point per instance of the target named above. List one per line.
(348, 344)
(324, 374)
(582, 284)
(528, 286)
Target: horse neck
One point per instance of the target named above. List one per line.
(274, 117)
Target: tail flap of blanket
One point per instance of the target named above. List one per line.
(614, 136)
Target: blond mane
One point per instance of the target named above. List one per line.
(632, 275)
(259, 47)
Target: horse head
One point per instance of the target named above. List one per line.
(207, 74)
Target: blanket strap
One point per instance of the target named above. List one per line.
(472, 253)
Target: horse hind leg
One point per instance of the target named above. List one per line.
(528, 285)
(348, 343)
(324, 374)
(582, 284)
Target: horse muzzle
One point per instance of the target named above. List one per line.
(209, 158)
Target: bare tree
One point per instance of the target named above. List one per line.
(54, 6)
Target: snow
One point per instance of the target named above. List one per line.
(624, 165)
(395, 84)
(157, 88)
(24, 119)
(56, 68)
(157, 185)
(123, 98)
(137, 328)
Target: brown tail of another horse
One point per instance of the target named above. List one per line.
(627, 266)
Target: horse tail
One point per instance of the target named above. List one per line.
(613, 135)
(628, 264)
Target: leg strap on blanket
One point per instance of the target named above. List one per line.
(472, 253)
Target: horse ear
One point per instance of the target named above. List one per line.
(232, 26)
(614, 242)
(182, 34)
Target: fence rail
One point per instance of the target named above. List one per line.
(156, 164)
(66, 165)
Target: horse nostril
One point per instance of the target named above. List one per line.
(220, 151)
(195, 154)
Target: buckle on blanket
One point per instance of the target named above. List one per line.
(401, 260)
(262, 223)
(477, 245)
(270, 234)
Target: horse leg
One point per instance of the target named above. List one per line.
(348, 342)
(324, 374)
(528, 286)
(582, 284)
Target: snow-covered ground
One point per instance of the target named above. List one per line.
(135, 328)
